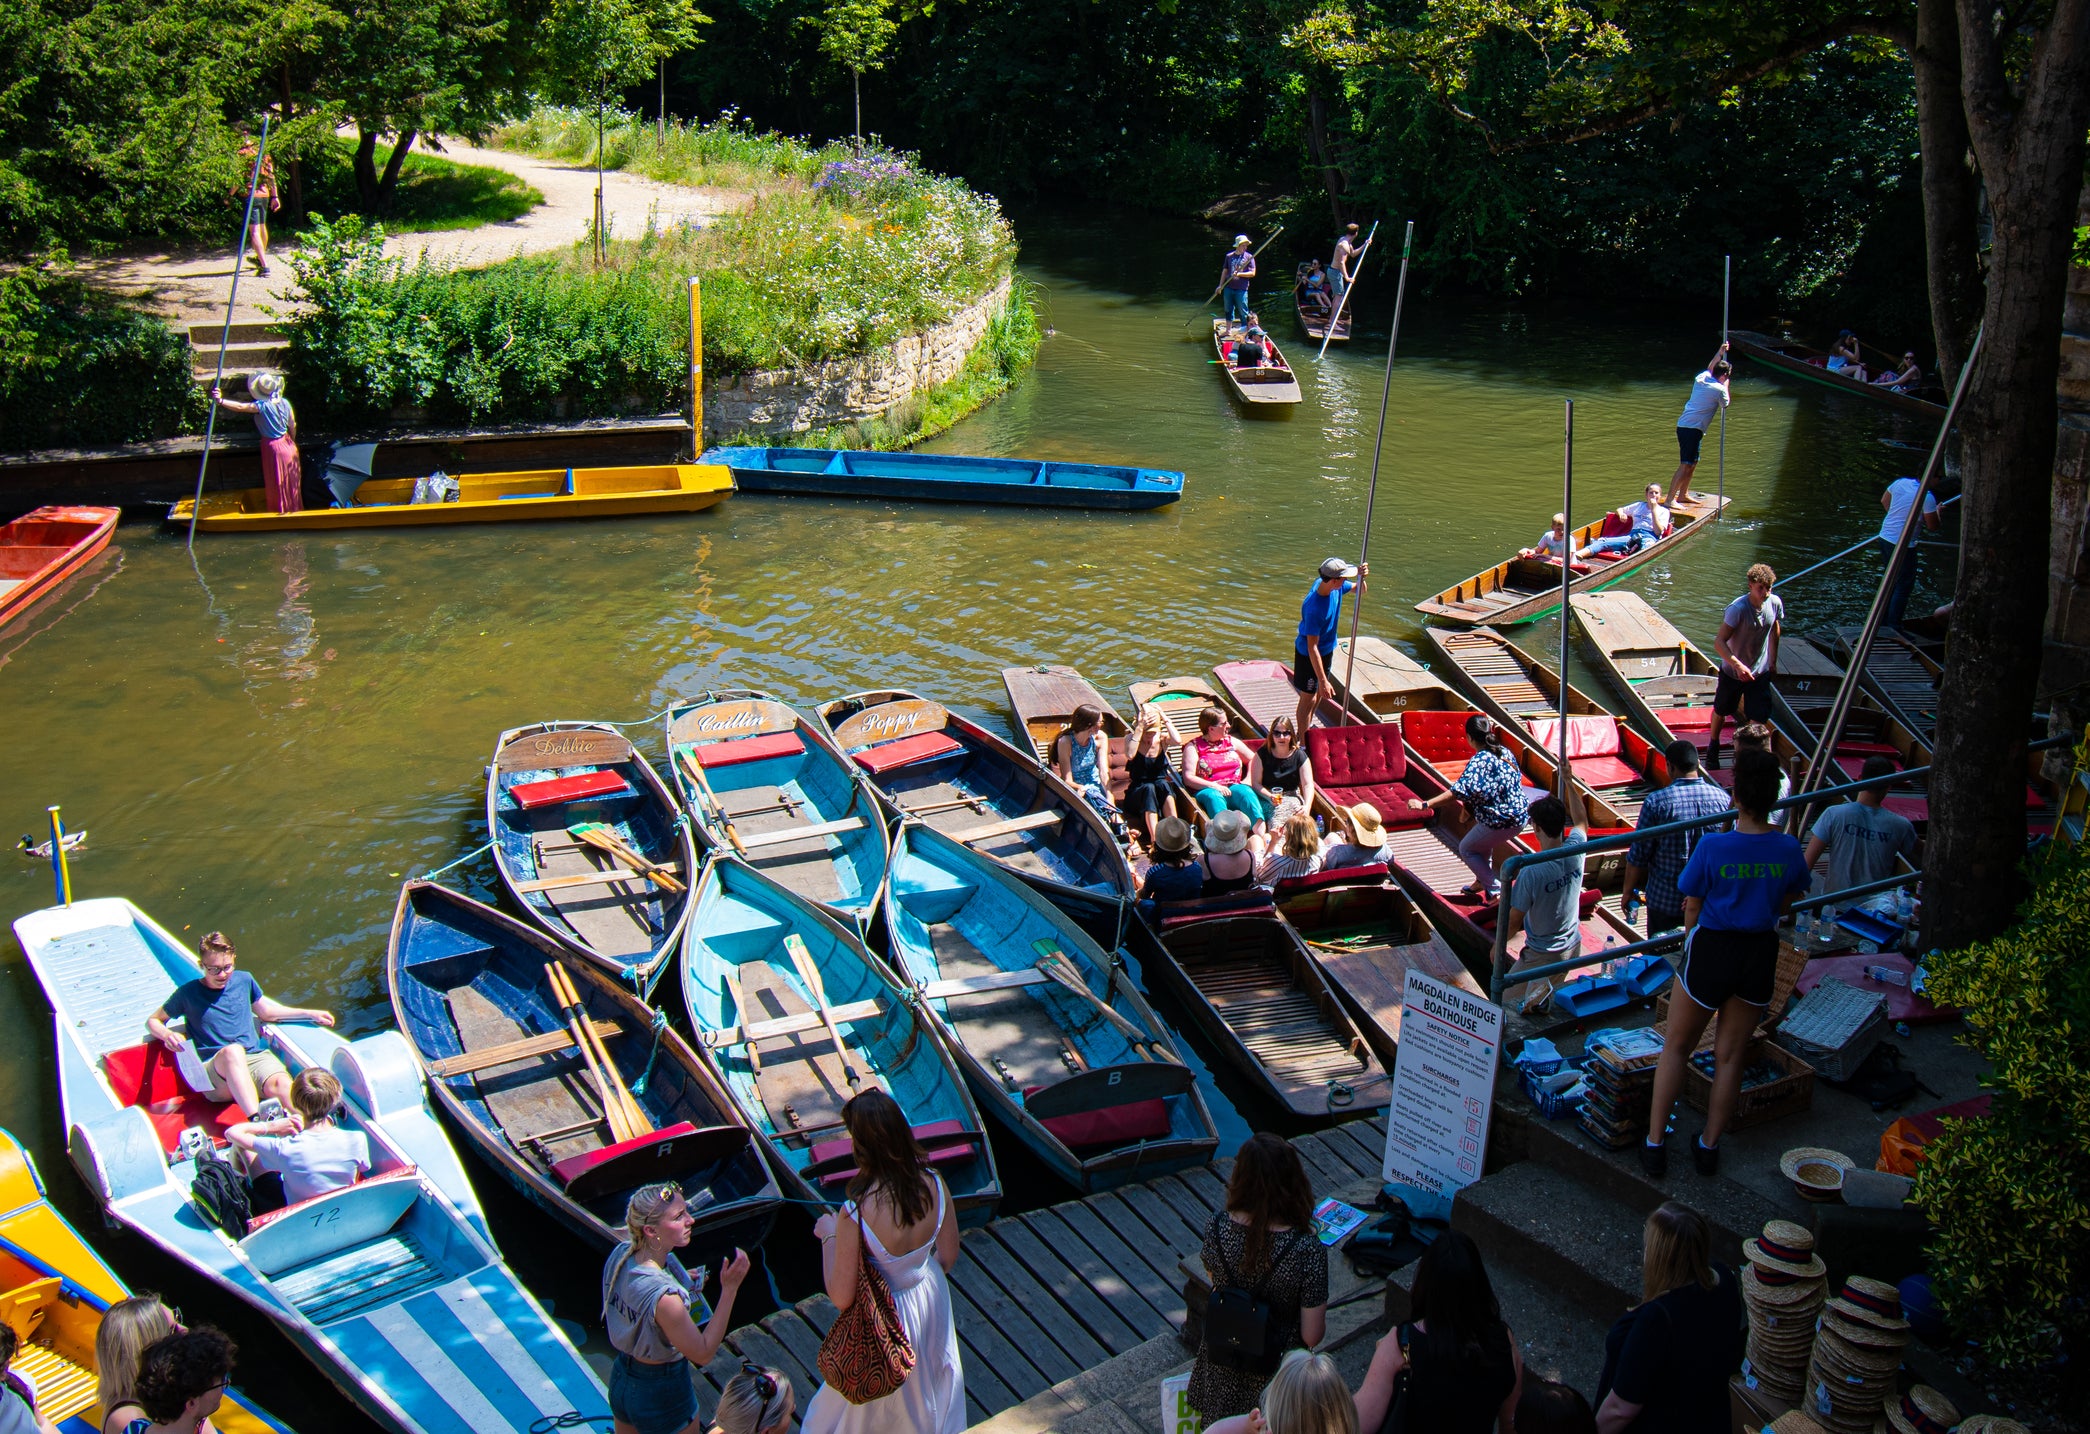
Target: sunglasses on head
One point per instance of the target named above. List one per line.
(765, 1385)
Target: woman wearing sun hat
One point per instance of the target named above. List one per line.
(1229, 865)
(1176, 874)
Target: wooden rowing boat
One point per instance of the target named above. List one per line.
(56, 1289)
(1510, 684)
(1903, 678)
(1075, 1064)
(1264, 386)
(398, 1261)
(948, 477)
(1811, 364)
(1521, 590)
(776, 791)
(1388, 682)
(1043, 698)
(41, 549)
(483, 498)
(1802, 693)
(469, 986)
(773, 983)
(1262, 691)
(1313, 317)
(1253, 990)
(589, 844)
(1366, 936)
(927, 761)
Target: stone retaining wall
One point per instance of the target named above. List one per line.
(824, 395)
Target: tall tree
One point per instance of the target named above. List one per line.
(855, 34)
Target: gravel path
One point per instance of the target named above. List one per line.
(190, 286)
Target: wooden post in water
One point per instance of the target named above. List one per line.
(239, 261)
(696, 369)
(1726, 286)
(60, 872)
(1372, 493)
(1567, 578)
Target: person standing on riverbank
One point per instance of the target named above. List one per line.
(1339, 267)
(1747, 646)
(277, 423)
(1899, 498)
(1236, 272)
(1709, 394)
(1320, 616)
(265, 199)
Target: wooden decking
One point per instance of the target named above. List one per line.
(1042, 1297)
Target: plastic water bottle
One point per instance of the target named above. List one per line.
(1888, 975)
(1631, 907)
(1827, 930)
(1802, 927)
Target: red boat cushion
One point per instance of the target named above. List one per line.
(1439, 738)
(574, 1166)
(1113, 1125)
(1687, 721)
(748, 749)
(1357, 756)
(1391, 798)
(145, 1075)
(920, 747)
(1338, 876)
(1848, 747)
(1587, 736)
(1604, 771)
(569, 789)
(947, 1142)
(1206, 908)
(1578, 565)
(1615, 526)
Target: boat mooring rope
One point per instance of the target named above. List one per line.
(468, 856)
(660, 1024)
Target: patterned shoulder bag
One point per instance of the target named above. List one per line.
(866, 1355)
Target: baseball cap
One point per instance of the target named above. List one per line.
(1338, 568)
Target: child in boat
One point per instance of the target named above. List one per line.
(1176, 874)
(306, 1151)
(1551, 544)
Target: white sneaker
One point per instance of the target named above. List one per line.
(271, 1109)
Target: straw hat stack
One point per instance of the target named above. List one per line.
(1991, 1424)
(1920, 1411)
(1783, 1288)
(1856, 1354)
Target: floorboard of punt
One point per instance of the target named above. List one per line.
(1041, 1297)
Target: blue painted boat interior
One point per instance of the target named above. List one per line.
(841, 870)
(449, 946)
(948, 468)
(739, 925)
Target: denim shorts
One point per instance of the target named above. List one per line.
(652, 1398)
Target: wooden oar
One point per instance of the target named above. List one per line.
(634, 1113)
(575, 1026)
(810, 974)
(743, 1016)
(712, 805)
(600, 837)
(1055, 963)
(1258, 253)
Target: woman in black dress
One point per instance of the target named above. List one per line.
(1150, 778)
(1263, 1242)
(1463, 1369)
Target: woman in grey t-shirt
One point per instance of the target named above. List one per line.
(651, 1307)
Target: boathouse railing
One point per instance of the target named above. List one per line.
(1501, 976)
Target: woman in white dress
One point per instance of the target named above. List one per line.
(911, 1234)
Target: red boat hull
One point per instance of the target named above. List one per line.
(40, 550)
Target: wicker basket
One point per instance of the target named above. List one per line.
(1791, 1092)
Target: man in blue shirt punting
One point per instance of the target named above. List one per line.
(1319, 618)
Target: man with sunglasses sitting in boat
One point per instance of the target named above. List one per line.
(221, 1011)
(1649, 522)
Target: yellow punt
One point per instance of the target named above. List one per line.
(483, 498)
(53, 1289)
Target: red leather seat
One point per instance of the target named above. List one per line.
(1604, 771)
(748, 749)
(145, 1075)
(530, 795)
(1365, 764)
(898, 753)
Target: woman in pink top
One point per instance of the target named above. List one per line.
(1215, 768)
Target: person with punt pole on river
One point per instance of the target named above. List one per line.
(1320, 617)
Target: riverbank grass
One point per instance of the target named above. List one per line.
(433, 193)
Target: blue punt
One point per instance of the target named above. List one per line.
(1049, 1028)
(947, 477)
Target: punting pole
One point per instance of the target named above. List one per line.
(1256, 253)
(1854, 547)
(239, 261)
(1839, 710)
(1567, 580)
(696, 369)
(1726, 286)
(1371, 494)
(1357, 265)
(61, 874)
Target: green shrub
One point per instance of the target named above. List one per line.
(724, 153)
(2010, 1194)
(80, 367)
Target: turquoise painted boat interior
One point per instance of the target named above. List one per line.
(949, 468)
(738, 927)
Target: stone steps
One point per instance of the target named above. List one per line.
(249, 348)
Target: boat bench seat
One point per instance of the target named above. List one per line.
(1369, 874)
(948, 1142)
(1593, 749)
(1590, 899)
(674, 1152)
(1110, 1105)
(327, 1224)
(146, 1076)
(758, 748)
(531, 795)
(921, 747)
(1391, 798)
(1366, 764)
(1173, 914)
(1695, 723)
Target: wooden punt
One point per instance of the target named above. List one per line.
(1388, 682)
(484, 498)
(41, 549)
(926, 761)
(549, 781)
(1100, 1099)
(1253, 990)
(56, 1289)
(1181, 700)
(1262, 690)
(1366, 936)
(1802, 693)
(1043, 699)
(1811, 364)
(759, 961)
(779, 794)
(948, 477)
(1268, 385)
(1903, 678)
(1313, 318)
(468, 985)
(1521, 590)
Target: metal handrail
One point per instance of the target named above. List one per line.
(1499, 966)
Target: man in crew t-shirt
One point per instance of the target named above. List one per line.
(221, 1012)
(1861, 836)
(1320, 618)
(1747, 647)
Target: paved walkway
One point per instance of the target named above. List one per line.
(190, 286)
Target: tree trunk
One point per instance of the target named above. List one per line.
(1317, 133)
(856, 80)
(366, 170)
(2030, 148)
(1951, 188)
(389, 185)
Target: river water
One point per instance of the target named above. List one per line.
(271, 747)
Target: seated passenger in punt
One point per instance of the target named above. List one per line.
(1229, 864)
(1151, 788)
(1281, 774)
(1176, 874)
(221, 1012)
(1649, 522)
(1314, 287)
(1356, 838)
(304, 1155)
(1553, 543)
(1252, 349)
(1296, 852)
(1908, 376)
(1081, 755)
(1846, 356)
(1216, 769)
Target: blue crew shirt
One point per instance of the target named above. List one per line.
(1320, 617)
(1743, 878)
(217, 1019)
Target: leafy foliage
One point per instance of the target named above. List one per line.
(2010, 1194)
(80, 368)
